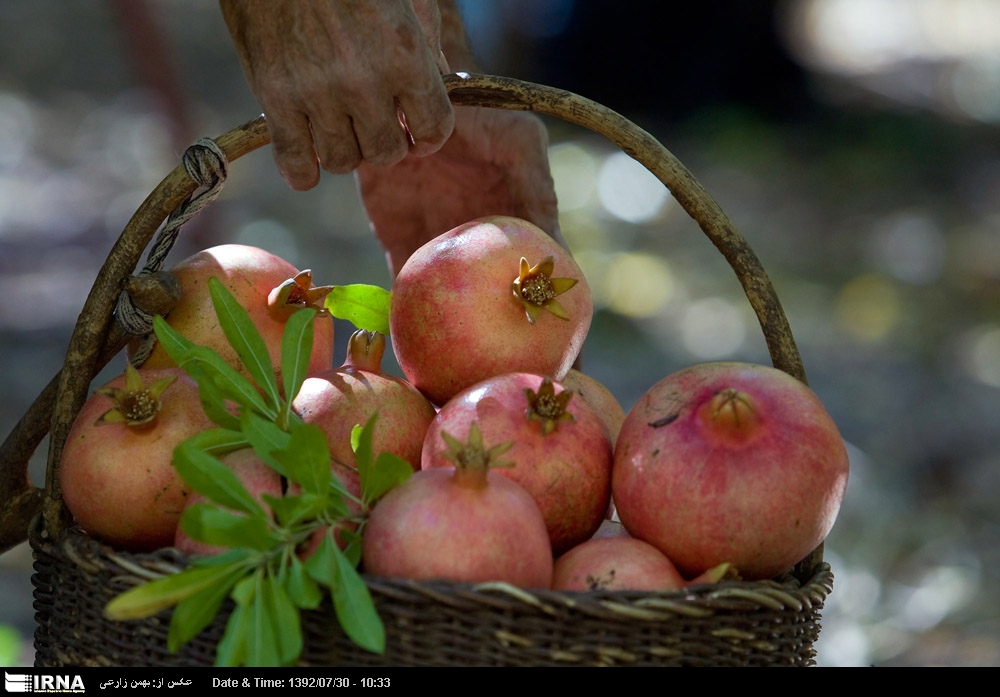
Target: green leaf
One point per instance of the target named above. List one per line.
(379, 475)
(197, 611)
(232, 648)
(261, 638)
(218, 441)
(210, 477)
(217, 379)
(229, 556)
(306, 458)
(365, 306)
(356, 437)
(351, 599)
(176, 346)
(389, 471)
(301, 588)
(291, 510)
(296, 353)
(214, 402)
(150, 598)
(245, 339)
(266, 438)
(364, 452)
(352, 546)
(216, 526)
(284, 619)
(355, 608)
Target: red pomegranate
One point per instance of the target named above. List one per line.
(465, 523)
(495, 295)
(615, 563)
(264, 284)
(730, 462)
(339, 398)
(115, 472)
(560, 449)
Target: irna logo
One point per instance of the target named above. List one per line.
(13, 682)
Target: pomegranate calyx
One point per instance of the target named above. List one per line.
(472, 459)
(365, 350)
(733, 412)
(547, 406)
(137, 405)
(298, 292)
(535, 288)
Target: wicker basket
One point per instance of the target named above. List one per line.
(767, 623)
(733, 623)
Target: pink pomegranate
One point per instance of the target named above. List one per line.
(465, 523)
(267, 286)
(495, 295)
(599, 397)
(730, 462)
(615, 563)
(115, 473)
(560, 449)
(258, 478)
(339, 398)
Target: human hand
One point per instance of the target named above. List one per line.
(331, 75)
(495, 163)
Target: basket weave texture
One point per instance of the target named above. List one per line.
(764, 623)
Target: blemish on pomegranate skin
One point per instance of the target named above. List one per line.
(665, 421)
(597, 583)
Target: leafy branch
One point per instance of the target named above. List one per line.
(283, 557)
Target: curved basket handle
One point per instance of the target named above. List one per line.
(87, 343)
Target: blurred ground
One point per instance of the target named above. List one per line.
(863, 168)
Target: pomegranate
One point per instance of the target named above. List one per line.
(258, 478)
(267, 286)
(339, 398)
(615, 563)
(560, 449)
(464, 523)
(115, 473)
(730, 462)
(599, 397)
(495, 295)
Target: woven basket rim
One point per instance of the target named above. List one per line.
(784, 592)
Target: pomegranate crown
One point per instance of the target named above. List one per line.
(137, 405)
(547, 406)
(535, 288)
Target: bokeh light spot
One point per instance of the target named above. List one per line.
(574, 170)
(712, 328)
(629, 191)
(910, 247)
(17, 130)
(868, 308)
(638, 285)
(980, 354)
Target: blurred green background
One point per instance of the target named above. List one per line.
(853, 142)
